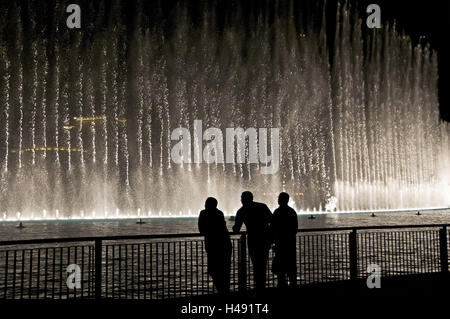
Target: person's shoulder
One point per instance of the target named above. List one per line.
(219, 212)
(292, 211)
(262, 205)
(202, 212)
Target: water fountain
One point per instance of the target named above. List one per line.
(87, 116)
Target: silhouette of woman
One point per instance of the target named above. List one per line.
(211, 224)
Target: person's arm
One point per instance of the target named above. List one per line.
(238, 221)
(269, 218)
(273, 228)
(268, 214)
(272, 225)
(222, 220)
(294, 221)
(202, 223)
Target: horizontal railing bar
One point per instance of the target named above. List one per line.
(193, 235)
(350, 228)
(105, 238)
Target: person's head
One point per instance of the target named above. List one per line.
(211, 203)
(246, 198)
(283, 199)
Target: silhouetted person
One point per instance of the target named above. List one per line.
(284, 232)
(211, 224)
(256, 217)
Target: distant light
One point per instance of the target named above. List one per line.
(92, 118)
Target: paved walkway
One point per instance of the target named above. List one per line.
(329, 300)
(321, 298)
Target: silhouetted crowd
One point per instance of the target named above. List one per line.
(264, 230)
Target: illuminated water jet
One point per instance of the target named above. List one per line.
(87, 122)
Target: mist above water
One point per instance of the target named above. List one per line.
(87, 115)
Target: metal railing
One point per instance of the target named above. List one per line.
(174, 265)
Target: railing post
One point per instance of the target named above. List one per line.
(242, 270)
(443, 249)
(353, 247)
(98, 269)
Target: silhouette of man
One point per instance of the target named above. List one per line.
(211, 224)
(284, 231)
(256, 217)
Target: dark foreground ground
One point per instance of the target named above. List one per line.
(399, 296)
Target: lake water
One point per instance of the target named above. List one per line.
(58, 229)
